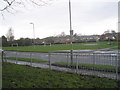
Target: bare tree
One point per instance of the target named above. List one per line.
(62, 34)
(10, 35)
(11, 5)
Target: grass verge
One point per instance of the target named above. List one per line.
(95, 67)
(55, 47)
(18, 76)
(27, 59)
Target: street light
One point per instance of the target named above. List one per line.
(71, 33)
(33, 33)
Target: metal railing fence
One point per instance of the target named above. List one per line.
(98, 64)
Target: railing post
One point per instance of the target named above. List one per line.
(49, 57)
(117, 58)
(16, 57)
(31, 59)
(1, 63)
(67, 59)
(94, 61)
(94, 58)
(76, 64)
(2, 55)
(118, 65)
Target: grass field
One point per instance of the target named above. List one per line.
(77, 46)
(18, 76)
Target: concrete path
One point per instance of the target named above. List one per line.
(80, 71)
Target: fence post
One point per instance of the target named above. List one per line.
(16, 57)
(76, 64)
(49, 56)
(2, 55)
(117, 58)
(94, 61)
(31, 58)
(94, 58)
(67, 60)
(118, 65)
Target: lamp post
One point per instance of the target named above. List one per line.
(33, 33)
(71, 33)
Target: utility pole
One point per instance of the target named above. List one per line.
(71, 33)
(33, 34)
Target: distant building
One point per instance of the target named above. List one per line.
(66, 39)
(88, 38)
(112, 36)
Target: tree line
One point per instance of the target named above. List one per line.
(62, 38)
(20, 42)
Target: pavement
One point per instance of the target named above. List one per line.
(105, 50)
(70, 70)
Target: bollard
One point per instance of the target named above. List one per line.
(49, 60)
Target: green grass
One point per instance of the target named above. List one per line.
(27, 59)
(18, 76)
(53, 48)
(88, 66)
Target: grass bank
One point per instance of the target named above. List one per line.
(27, 59)
(18, 76)
(95, 67)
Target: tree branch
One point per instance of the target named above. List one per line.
(7, 6)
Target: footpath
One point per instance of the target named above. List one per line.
(70, 70)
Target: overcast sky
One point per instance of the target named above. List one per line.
(88, 17)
